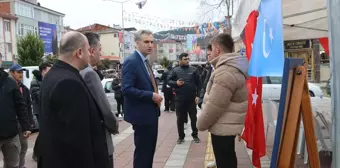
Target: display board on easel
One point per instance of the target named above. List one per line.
(294, 106)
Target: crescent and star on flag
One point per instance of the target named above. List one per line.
(265, 52)
(255, 96)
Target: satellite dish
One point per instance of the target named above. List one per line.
(140, 3)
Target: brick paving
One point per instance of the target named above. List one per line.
(170, 155)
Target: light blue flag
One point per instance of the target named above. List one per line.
(267, 56)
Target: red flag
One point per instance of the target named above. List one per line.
(324, 43)
(254, 128)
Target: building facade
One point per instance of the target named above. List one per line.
(170, 49)
(110, 42)
(33, 17)
(112, 39)
(94, 28)
(8, 47)
(109, 39)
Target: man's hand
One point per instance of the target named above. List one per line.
(196, 100)
(157, 98)
(27, 134)
(180, 83)
(117, 125)
(239, 138)
(200, 102)
(199, 105)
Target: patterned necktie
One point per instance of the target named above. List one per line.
(152, 78)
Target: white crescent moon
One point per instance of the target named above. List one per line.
(265, 53)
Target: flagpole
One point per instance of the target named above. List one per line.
(334, 50)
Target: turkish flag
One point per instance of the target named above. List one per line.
(253, 132)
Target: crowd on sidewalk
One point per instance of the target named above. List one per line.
(75, 117)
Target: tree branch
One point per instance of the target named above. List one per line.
(215, 6)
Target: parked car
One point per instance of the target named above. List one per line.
(158, 74)
(107, 86)
(28, 75)
(272, 88)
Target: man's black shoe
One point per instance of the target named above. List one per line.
(197, 140)
(180, 141)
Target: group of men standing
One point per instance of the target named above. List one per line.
(75, 117)
(16, 102)
(76, 121)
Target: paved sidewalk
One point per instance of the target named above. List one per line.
(168, 153)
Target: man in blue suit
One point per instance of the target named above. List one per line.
(141, 99)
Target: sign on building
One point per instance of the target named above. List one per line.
(48, 34)
(297, 44)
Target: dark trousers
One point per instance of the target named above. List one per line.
(169, 101)
(183, 107)
(111, 161)
(36, 152)
(145, 137)
(120, 105)
(224, 150)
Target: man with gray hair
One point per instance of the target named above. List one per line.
(95, 86)
(141, 99)
(72, 132)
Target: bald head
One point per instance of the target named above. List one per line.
(72, 41)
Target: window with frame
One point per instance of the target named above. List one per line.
(44, 16)
(275, 80)
(60, 20)
(108, 85)
(265, 80)
(8, 47)
(7, 25)
(24, 29)
(24, 10)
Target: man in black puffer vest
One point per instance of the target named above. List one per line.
(186, 81)
(13, 110)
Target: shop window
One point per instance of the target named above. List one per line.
(324, 58)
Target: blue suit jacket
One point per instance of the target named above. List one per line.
(137, 89)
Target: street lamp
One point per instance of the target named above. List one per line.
(122, 5)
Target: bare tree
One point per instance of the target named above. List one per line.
(213, 8)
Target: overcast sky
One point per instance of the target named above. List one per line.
(80, 13)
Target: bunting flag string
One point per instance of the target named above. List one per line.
(172, 24)
(154, 20)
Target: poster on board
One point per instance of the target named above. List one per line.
(48, 34)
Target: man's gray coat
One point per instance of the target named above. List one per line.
(95, 86)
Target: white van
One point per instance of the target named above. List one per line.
(28, 75)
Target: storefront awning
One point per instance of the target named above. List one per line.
(302, 19)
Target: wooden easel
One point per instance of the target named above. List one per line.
(296, 101)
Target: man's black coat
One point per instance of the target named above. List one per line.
(71, 131)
